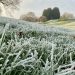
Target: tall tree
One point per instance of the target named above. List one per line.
(51, 14)
(49, 10)
(47, 13)
(55, 13)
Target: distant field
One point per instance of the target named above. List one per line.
(65, 23)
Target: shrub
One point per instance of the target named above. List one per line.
(66, 16)
(29, 17)
(42, 19)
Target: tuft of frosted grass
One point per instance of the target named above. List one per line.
(6, 27)
(52, 56)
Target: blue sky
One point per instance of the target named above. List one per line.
(37, 6)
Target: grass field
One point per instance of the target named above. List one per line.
(35, 49)
(69, 24)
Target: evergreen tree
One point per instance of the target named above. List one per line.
(47, 13)
(55, 13)
(51, 14)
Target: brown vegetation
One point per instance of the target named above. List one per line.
(29, 17)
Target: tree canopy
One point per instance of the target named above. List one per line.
(51, 13)
(55, 13)
(47, 13)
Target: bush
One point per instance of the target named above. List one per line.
(42, 19)
(66, 16)
(29, 17)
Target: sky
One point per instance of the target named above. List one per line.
(37, 6)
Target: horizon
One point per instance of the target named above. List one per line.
(38, 6)
(25, 6)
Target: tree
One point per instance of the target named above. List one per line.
(51, 14)
(47, 13)
(67, 15)
(8, 7)
(30, 16)
(55, 13)
(12, 3)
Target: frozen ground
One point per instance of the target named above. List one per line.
(28, 48)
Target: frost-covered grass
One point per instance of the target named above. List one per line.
(34, 49)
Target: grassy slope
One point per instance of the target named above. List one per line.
(59, 23)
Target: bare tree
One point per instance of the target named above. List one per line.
(30, 16)
(6, 7)
(67, 15)
(12, 3)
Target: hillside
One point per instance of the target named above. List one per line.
(28, 48)
(68, 24)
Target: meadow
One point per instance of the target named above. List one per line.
(28, 48)
(68, 24)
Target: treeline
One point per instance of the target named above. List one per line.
(48, 14)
